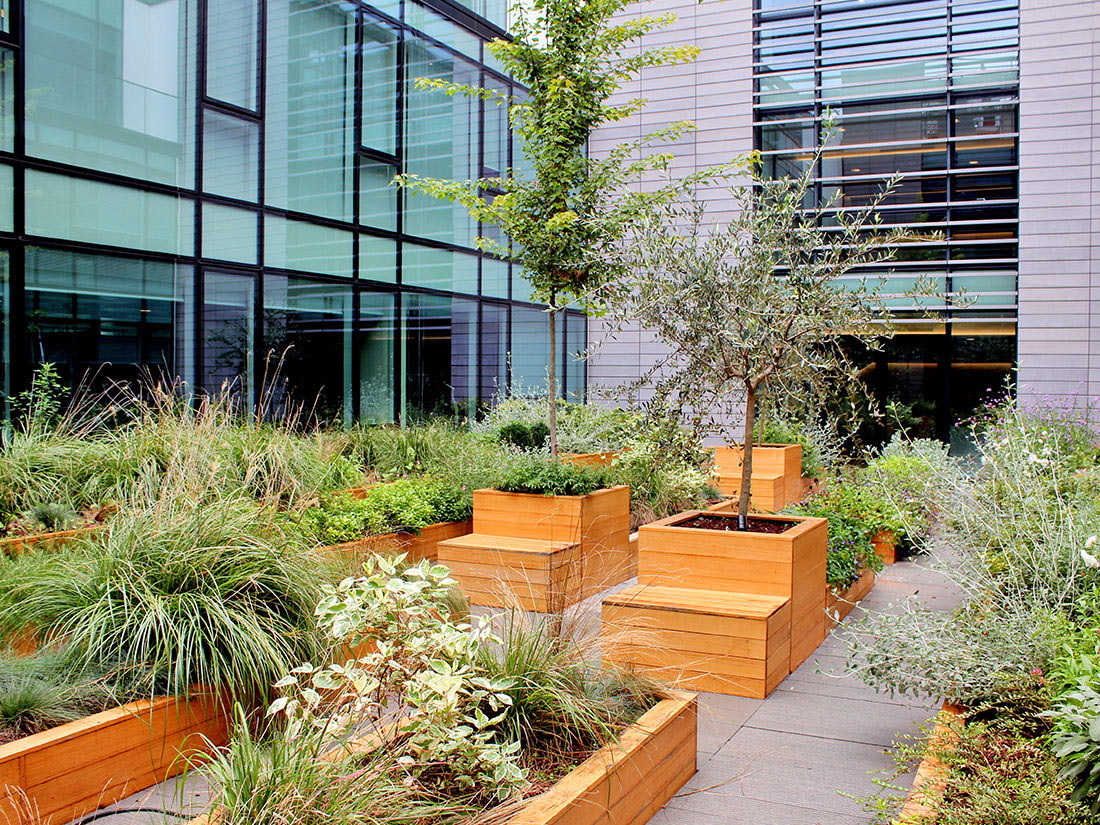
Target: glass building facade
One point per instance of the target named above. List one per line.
(928, 89)
(201, 189)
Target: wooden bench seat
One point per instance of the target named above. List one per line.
(712, 640)
(502, 571)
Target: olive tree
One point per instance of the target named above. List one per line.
(755, 310)
(563, 215)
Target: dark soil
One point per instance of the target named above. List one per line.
(713, 521)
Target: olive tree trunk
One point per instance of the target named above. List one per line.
(746, 459)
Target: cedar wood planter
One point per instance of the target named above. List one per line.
(422, 546)
(931, 773)
(839, 604)
(776, 474)
(80, 766)
(14, 545)
(542, 553)
(886, 545)
(790, 564)
(624, 782)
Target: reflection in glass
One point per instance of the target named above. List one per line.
(231, 34)
(438, 268)
(440, 355)
(440, 141)
(307, 363)
(379, 86)
(228, 335)
(310, 90)
(230, 156)
(103, 319)
(375, 339)
(77, 209)
(229, 233)
(494, 351)
(111, 86)
(378, 197)
(310, 247)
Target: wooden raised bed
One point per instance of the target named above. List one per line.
(886, 545)
(623, 783)
(422, 546)
(790, 565)
(542, 553)
(776, 474)
(931, 773)
(75, 768)
(14, 545)
(840, 604)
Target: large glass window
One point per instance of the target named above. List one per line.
(378, 197)
(438, 268)
(307, 364)
(494, 351)
(77, 209)
(5, 325)
(310, 247)
(230, 156)
(440, 355)
(530, 347)
(7, 100)
(229, 234)
(310, 92)
(380, 90)
(375, 340)
(229, 335)
(440, 141)
(103, 319)
(231, 47)
(110, 86)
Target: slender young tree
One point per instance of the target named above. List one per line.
(755, 311)
(563, 216)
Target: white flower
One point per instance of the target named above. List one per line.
(1090, 542)
(1047, 451)
(1089, 559)
(1033, 458)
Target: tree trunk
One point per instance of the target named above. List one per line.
(746, 460)
(552, 381)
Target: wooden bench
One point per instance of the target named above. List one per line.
(502, 571)
(718, 641)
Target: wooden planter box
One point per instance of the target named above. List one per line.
(840, 604)
(623, 783)
(776, 474)
(542, 553)
(886, 545)
(14, 545)
(931, 773)
(721, 642)
(423, 546)
(80, 766)
(789, 565)
(594, 460)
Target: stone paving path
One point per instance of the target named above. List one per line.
(777, 761)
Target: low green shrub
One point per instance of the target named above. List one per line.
(538, 473)
(994, 772)
(524, 436)
(850, 551)
(462, 719)
(774, 430)
(1075, 730)
(407, 505)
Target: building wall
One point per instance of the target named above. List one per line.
(200, 190)
(1059, 285)
(715, 92)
